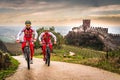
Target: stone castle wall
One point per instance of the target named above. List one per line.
(102, 30)
(99, 29)
(110, 40)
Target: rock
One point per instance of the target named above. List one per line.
(3, 47)
(4, 60)
(64, 55)
(71, 53)
(4, 57)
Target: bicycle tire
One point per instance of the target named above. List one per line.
(45, 60)
(27, 52)
(48, 57)
(48, 62)
(28, 61)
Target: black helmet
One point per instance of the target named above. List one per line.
(28, 22)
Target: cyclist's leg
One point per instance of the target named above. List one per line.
(31, 50)
(23, 45)
(44, 51)
(51, 48)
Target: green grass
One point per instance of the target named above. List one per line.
(84, 56)
(10, 70)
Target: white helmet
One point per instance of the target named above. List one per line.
(46, 28)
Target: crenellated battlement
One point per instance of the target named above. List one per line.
(99, 29)
(114, 35)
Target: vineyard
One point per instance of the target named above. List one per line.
(106, 60)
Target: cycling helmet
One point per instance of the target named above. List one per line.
(28, 22)
(46, 28)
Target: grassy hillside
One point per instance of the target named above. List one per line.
(10, 70)
(86, 56)
(89, 55)
(8, 65)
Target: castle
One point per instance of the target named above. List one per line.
(110, 41)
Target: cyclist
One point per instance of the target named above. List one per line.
(45, 37)
(28, 32)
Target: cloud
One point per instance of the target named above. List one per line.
(70, 3)
(58, 11)
(29, 6)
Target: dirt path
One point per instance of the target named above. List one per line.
(59, 71)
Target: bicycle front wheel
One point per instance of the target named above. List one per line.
(28, 61)
(27, 52)
(48, 57)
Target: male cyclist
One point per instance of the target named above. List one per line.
(44, 38)
(30, 35)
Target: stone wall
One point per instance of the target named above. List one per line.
(111, 41)
(99, 29)
(116, 38)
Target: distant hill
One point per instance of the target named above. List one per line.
(14, 48)
(7, 34)
(11, 48)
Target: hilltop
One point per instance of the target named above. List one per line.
(95, 37)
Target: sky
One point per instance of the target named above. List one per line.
(60, 12)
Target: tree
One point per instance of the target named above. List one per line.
(60, 39)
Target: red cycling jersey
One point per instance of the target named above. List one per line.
(45, 37)
(28, 36)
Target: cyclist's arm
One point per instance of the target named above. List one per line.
(19, 34)
(41, 35)
(35, 33)
(53, 36)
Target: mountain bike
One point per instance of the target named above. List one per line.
(27, 53)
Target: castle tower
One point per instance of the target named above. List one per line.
(86, 24)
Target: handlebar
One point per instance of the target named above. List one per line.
(25, 41)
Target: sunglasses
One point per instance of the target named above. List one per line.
(28, 24)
